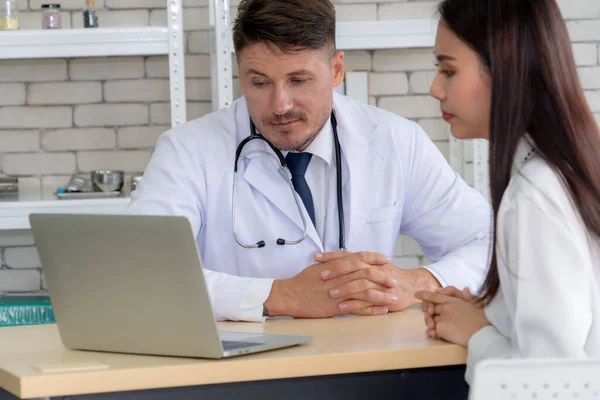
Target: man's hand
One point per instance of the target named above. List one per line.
(356, 288)
(308, 294)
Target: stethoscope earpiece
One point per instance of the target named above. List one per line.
(280, 241)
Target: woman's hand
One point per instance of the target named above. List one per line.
(454, 317)
(428, 308)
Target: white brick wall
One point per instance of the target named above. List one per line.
(36, 117)
(142, 90)
(16, 238)
(580, 9)
(78, 139)
(118, 4)
(403, 10)
(126, 160)
(139, 137)
(64, 4)
(356, 12)
(420, 82)
(22, 257)
(411, 106)
(20, 280)
(391, 83)
(403, 60)
(590, 77)
(111, 114)
(584, 30)
(33, 71)
(106, 68)
(115, 19)
(20, 141)
(64, 93)
(585, 54)
(59, 117)
(13, 94)
(593, 98)
(38, 163)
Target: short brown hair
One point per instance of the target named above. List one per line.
(290, 25)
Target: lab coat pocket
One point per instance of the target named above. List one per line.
(383, 214)
(379, 229)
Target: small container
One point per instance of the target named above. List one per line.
(106, 180)
(135, 180)
(90, 18)
(9, 186)
(9, 15)
(51, 16)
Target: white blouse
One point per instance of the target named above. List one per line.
(548, 304)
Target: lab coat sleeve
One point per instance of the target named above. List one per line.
(486, 343)
(450, 220)
(545, 288)
(173, 184)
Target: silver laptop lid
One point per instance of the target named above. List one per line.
(126, 283)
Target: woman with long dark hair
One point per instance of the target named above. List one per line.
(507, 74)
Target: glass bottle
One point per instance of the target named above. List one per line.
(9, 15)
(90, 18)
(51, 16)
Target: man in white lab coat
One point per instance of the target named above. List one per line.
(393, 180)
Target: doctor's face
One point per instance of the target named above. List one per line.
(462, 85)
(289, 96)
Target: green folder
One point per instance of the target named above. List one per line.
(25, 310)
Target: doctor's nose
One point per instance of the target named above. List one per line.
(281, 102)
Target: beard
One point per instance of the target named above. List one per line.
(282, 140)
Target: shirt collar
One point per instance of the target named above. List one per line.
(525, 151)
(322, 144)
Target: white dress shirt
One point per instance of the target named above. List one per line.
(320, 168)
(548, 304)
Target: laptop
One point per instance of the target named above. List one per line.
(134, 284)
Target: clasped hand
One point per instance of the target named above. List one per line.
(362, 283)
(452, 314)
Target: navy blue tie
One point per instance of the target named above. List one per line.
(297, 164)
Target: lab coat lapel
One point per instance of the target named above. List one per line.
(260, 168)
(362, 165)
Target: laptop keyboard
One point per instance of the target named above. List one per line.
(229, 345)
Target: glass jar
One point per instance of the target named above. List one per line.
(9, 15)
(51, 16)
(90, 18)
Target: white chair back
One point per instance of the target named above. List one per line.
(536, 379)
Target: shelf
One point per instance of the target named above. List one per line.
(14, 214)
(392, 34)
(66, 43)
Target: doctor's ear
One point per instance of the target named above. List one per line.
(337, 68)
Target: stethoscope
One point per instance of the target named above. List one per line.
(287, 174)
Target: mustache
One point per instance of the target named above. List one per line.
(287, 117)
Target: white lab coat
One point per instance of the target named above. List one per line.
(394, 181)
(548, 304)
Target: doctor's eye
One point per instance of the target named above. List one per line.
(298, 81)
(259, 84)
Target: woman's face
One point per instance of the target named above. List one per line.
(462, 85)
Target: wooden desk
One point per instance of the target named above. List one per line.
(365, 347)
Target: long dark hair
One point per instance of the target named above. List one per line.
(535, 89)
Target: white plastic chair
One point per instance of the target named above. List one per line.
(536, 379)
